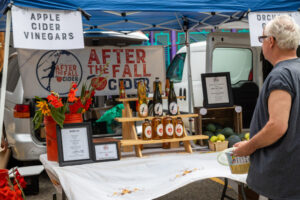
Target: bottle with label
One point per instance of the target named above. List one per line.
(178, 126)
(122, 90)
(168, 128)
(142, 107)
(157, 129)
(167, 87)
(147, 130)
(172, 101)
(157, 100)
(159, 83)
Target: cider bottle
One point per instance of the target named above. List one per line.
(142, 100)
(157, 129)
(178, 124)
(167, 87)
(168, 128)
(172, 101)
(159, 83)
(147, 130)
(122, 90)
(157, 101)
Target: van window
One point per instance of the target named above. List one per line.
(175, 69)
(237, 61)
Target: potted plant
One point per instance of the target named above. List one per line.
(53, 110)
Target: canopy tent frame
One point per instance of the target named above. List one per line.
(4, 73)
(128, 15)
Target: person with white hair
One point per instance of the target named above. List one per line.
(274, 145)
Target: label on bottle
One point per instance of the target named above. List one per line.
(148, 132)
(160, 130)
(143, 110)
(169, 129)
(173, 108)
(158, 109)
(179, 130)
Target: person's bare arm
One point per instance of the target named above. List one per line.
(279, 104)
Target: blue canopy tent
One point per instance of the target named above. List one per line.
(129, 15)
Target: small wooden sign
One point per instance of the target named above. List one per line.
(106, 149)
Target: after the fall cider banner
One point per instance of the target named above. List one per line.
(55, 70)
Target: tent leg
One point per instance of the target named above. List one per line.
(4, 71)
(190, 83)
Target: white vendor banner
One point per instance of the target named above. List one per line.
(258, 20)
(103, 67)
(47, 29)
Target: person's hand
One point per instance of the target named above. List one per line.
(242, 149)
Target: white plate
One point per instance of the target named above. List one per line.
(222, 158)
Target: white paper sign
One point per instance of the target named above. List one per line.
(47, 29)
(75, 144)
(217, 91)
(258, 20)
(106, 151)
(45, 71)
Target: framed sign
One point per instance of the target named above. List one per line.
(106, 149)
(74, 144)
(216, 90)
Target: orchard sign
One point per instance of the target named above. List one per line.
(104, 67)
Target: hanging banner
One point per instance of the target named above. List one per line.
(258, 20)
(56, 70)
(47, 29)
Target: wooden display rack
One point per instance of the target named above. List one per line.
(226, 116)
(129, 134)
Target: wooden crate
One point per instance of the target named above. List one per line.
(225, 116)
(218, 146)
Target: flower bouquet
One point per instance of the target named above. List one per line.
(11, 189)
(55, 107)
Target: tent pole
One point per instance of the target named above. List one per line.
(190, 83)
(4, 72)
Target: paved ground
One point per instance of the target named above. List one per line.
(199, 190)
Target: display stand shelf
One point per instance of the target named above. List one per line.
(139, 141)
(148, 98)
(135, 119)
(129, 134)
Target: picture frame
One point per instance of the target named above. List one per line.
(106, 149)
(74, 143)
(217, 90)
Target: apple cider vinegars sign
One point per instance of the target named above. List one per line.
(104, 67)
(47, 29)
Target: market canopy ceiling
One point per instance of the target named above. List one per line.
(132, 15)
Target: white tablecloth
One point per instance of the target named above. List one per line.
(137, 178)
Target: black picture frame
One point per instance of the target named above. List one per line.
(80, 133)
(108, 146)
(217, 90)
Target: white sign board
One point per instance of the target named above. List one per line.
(258, 20)
(47, 29)
(55, 70)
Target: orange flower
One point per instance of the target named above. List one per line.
(55, 101)
(71, 95)
(74, 85)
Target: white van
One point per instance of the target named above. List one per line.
(221, 52)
